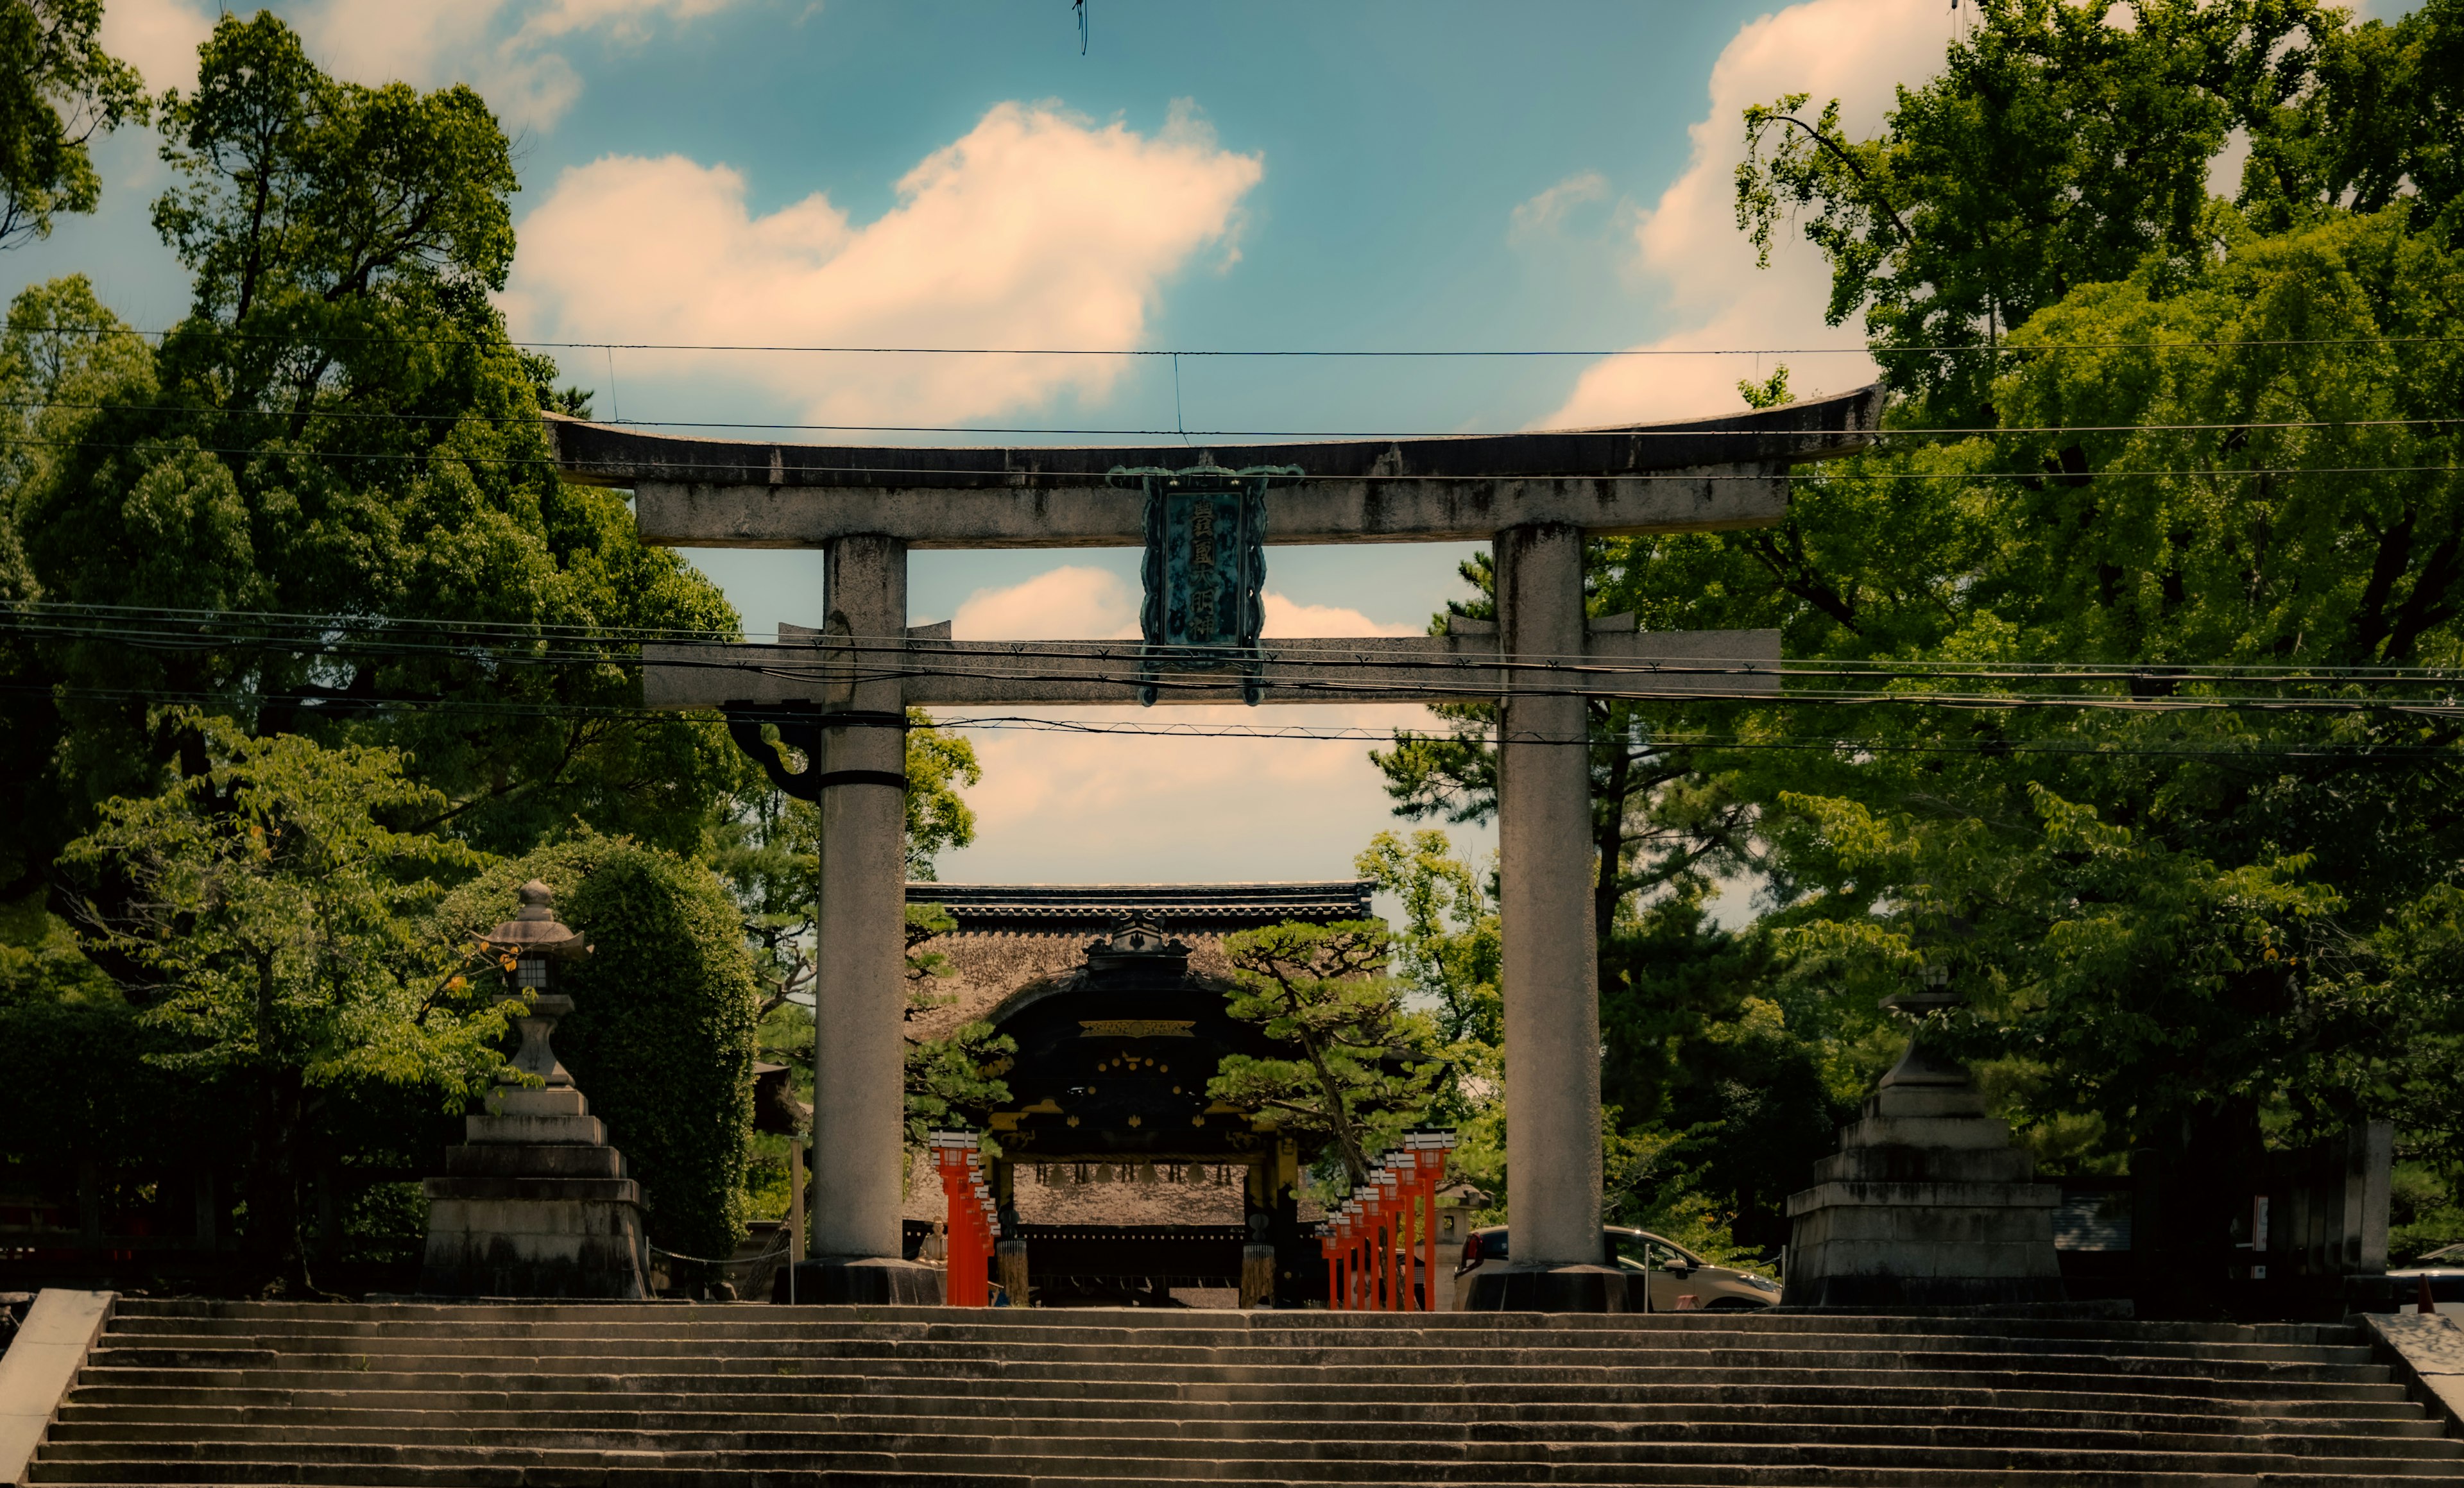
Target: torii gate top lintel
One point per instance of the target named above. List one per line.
(1722, 472)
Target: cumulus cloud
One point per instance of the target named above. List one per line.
(1038, 229)
(1687, 242)
(505, 48)
(1056, 806)
(160, 38)
(1066, 604)
(1076, 603)
(1546, 211)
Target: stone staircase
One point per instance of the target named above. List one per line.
(753, 1396)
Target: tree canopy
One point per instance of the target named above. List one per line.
(2203, 439)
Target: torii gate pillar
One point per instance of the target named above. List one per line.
(1552, 968)
(858, 1012)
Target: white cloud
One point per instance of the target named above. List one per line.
(1068, 603)
(1056, 806)
(1688, 243)
(160, 38)
(1037, 229)
(503, 48)
(1545, 213)
(1074, 602)
(1290, 621)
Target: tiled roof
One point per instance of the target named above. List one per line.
(996, 908)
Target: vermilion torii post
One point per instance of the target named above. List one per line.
(1536, 496)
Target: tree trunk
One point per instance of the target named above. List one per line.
(279, 1260)
(1608, 839)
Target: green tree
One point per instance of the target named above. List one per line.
(338, 427)
(1362, 1064)
(2207, 432)
(1655, 825)
(2060, 145)
(271, 923)
(59, 89)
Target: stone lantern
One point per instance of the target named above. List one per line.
(1927, 1202)
(535, 1203)
(535, 939)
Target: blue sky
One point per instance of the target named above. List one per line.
(1207, 176)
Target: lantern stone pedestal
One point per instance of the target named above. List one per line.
(535, 1203)
(1927, 1204)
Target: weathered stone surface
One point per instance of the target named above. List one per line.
(534, 1205)
(772, 1397)
(42, 1361)
(580, 1131)
(2427, 1350)
(1926, 1204)
(1728, 471)
(1357, 669)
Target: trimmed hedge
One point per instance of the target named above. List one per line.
(661, 1037)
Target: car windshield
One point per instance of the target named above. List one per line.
(1634, 1250)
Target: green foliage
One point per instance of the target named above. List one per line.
(269, 924)
(939, 818)
(660, 1041)
(1448, 949)
(338, 428)
(1656, 826)
(1362, 1064)
(59, 89)
(2180, 932)
(957, 1076)
(1771, 392)
(2061, 144)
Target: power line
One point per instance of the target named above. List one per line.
(1596, 681)
(1999, 348)
(669, 469)
(537, 421)
(345, 709)
(829, 656)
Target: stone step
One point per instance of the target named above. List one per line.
(2083, 1373)
(888, 1476)
(1199, 1368)
(77, 1439)
(694, 1412)
(1504, 1348)
(759, 1397)
(1096, 1458)
(1346, 1385)
(820, 1391)
(748, 1319)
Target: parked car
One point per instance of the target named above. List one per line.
(2445, 1269)
(1656, 1267)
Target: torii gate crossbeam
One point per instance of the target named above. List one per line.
(1536, 496)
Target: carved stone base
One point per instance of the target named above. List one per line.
(1927, 1204)
(1549, 1289)
(864, 1281)
(535, 1205)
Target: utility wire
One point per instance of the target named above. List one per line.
(536, 421)
(1598, 682)
(669, 469)
(2354, 753)
(825, 656)
(1999, 348)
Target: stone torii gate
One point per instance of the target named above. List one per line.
(1203, 514)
